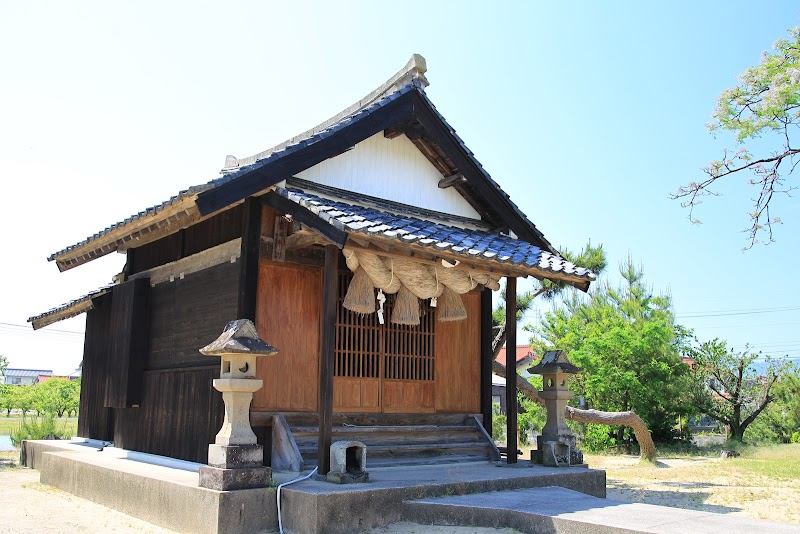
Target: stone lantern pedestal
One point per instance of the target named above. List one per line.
(235, 459)
(556, 446)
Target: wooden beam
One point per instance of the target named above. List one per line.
(305, 216)
(248, 267)
(391, 133)
(330, 282)
(209, 257)
(511, 365)
(279, 238)
(452, 180)
(486, 359)
(267, 173)
(425, 148)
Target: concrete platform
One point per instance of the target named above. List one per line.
(169, 496)
(317, 506)
(559, 510)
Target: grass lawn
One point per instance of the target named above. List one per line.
(10, 424)
(764, 483)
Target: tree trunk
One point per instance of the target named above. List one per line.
(646, 446)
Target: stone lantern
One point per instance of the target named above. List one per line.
(556, 446)
(235, 460)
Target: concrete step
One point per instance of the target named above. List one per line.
(300, 430)
(556, 509)
(406, 445)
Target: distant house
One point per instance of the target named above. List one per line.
(25, 376)
(524, 357)
(45, 377)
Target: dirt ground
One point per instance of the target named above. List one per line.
(707, 484)
(29, 506)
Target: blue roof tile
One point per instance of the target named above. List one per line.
(493, 246)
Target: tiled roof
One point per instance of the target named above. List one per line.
(522, 352)
(26, 373)
(262, 159)
(70, 309)
(411, 79)
(472, 244)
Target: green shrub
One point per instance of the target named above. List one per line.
(796, 437)
(498, 424)
(531, 418)
(39, 428)
(597, 438)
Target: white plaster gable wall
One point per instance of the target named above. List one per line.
(392, 169)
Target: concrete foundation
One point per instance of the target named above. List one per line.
(171, 497)
(164, 496)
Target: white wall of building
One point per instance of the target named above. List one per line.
(393, 169)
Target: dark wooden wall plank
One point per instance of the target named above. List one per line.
(248, 270)
(128, 343)
(157, 253)
(180, 415)
(211, 232)
(95, 421)
(186, 315)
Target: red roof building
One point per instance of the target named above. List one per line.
(524, 355)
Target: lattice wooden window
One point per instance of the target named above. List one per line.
(367, 349)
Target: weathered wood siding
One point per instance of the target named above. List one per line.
(213, 231)
(141, 352)
(288, 318)
(180, 412)
(95, 421)
(128, 343)
(458, 370)
(186, 315)
(393, 169)
(179, 416)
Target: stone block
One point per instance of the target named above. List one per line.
(235, 456)
(220, 479)
(347, 478)
(557, 451)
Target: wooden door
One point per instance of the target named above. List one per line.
(382, 367)
(288, 318)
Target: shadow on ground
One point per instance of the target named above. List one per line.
(692, 498)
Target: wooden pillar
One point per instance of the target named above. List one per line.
(511, 369)
(327, 357)
(248, 271)
(486, 359)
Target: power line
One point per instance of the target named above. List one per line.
(695, 315)
(29, 329)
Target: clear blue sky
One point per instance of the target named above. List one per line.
(588, 114)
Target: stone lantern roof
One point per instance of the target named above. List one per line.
(239, 337)
(552, 362)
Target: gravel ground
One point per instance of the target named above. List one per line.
(29, 506)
